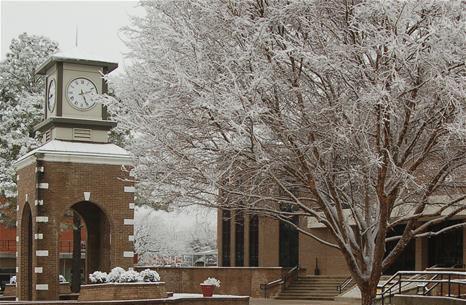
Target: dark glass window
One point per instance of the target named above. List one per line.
(288, 244)
(239, 239)
(226, 238)
(446, 249)
(254, 241)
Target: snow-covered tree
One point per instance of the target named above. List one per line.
(348, 113)
(21, 103)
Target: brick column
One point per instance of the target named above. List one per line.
(268, 242)
(246, 240)
(421, 254)
(464, 247)
(233, 239)
(219, 238)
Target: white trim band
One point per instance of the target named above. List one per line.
(129, 189)
(42, 219)
(42, 252)
(129, 222)
(43, 185)
(39, 236)
(38, 270)
(128, 254)
(39, 202)
(42, 286)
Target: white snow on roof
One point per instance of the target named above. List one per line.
(79, 54)
(78, 148)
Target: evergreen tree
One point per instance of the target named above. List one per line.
(21, 107)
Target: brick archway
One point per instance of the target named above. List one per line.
(99, 231)
(25, 250)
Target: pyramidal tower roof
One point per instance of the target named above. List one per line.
(76, 56)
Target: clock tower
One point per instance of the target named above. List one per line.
(76, 169)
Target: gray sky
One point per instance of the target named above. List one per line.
(98, 24)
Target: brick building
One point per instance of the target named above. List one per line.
(250, 241)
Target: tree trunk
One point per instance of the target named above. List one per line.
(76, 260)
(368, 294)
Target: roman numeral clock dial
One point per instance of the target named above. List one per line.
(81, 93)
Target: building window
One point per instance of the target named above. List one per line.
(226, 237)
(239, 239)
(254, 241)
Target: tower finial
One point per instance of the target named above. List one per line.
(76, 37)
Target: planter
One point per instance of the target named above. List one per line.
(122, 291)
(10, 290)
(207, 290)
(64, 288)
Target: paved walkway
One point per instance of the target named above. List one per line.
(292, 302)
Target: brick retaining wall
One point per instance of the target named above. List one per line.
(234, 280)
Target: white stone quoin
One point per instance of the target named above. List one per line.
(42, 253)
(42, 287)
(87, 196)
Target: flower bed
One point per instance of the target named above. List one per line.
(123, 285)
(122, 291)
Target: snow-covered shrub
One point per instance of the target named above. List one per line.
(114, 275)
(98, 277)
(211, 281)
(150, 276)
(61, 279)
(130, 276)
(13, 280)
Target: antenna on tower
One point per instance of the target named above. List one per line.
(76, 37)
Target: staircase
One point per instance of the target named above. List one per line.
(317, 287)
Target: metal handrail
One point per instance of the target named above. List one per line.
(344, 284)
(282, 281)
(388, 287)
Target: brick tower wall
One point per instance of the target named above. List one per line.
(102, 194)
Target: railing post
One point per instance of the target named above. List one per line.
(449, 284)
(383, 295)
(441, 284)
(399, 284)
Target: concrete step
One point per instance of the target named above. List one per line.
(312, 288)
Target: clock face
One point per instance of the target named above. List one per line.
(51, 95)
(80, 93)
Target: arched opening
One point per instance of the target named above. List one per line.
(84, 243)
(26, 253)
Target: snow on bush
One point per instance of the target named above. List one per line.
(120, 275)
(114, 275)
(130, 276)
(61, 279)
(98, 277)
(211, 281)
(13, 280)
(150, 276)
